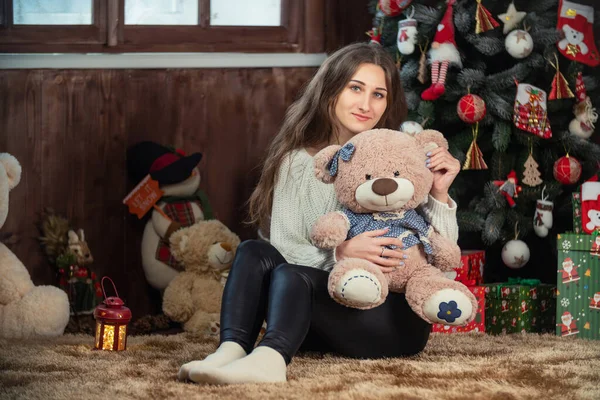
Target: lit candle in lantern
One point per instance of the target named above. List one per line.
(112, 318)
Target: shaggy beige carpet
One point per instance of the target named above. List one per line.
(461, 366)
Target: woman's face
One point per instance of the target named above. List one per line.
(363, 100)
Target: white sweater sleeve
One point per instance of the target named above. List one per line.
(442, 216)
(299, 199)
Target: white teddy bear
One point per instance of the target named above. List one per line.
(594, 222)
(574, 37)
(25, 310)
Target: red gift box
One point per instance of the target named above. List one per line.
(470, 271)
(477, 325)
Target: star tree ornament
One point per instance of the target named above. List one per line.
(483, 19)
(531, 174)
(542, 218)
(515, 253)
(567, 170)
(518, 44)
(511, 18)
(560, 86)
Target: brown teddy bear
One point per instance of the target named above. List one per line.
(206, 250)
(380, 177)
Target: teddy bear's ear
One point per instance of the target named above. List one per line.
(13, 169)
(321, 162)
(430, 139)
(73, 238)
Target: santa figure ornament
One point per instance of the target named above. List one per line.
(442, 54)
(509, 188)
(542, 218)
(585, 115)
(576, 22)
(407, 35)
(375, 35)
(567, 170)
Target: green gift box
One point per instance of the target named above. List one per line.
(577, 212)
(519, 305)
(578, 286)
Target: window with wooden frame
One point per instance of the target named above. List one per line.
(117, 26)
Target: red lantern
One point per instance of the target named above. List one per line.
(471, 108)
(112, 318)
(567, 170)
(393, 8)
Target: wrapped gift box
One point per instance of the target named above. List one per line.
(578, 286)
(470, 270)
(520, 305)
(577, 212)
(477, 325)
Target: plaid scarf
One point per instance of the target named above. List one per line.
(179, 211)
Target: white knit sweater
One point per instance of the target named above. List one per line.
(299, 199)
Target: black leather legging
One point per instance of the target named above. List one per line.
(300, 314)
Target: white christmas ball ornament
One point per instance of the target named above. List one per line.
(515, 254)
(411, 127)
(519, 44)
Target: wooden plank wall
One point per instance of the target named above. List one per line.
(70, 130)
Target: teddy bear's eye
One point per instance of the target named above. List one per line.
(396, 174)
(368, 177)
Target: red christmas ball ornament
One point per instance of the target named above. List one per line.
(471, 108)
(567, 170)
(393, 8)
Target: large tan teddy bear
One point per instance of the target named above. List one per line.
(25, 310)
(206, 250)
(380, 177)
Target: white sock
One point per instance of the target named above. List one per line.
(226, 353)
(262, 365)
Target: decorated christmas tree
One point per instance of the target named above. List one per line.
(512, 85)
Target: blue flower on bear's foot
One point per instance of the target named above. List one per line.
(449, 311)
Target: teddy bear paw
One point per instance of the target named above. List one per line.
(359, 288)
(214, 328)
(448, 307)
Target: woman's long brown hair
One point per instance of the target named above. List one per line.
(310, 120)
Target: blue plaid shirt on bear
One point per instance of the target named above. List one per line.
(409, 226)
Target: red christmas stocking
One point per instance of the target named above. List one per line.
(576, 22)
(590, 205)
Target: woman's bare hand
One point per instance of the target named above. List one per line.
(371, 247)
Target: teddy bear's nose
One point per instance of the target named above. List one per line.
(384, 186)
(226, 246)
